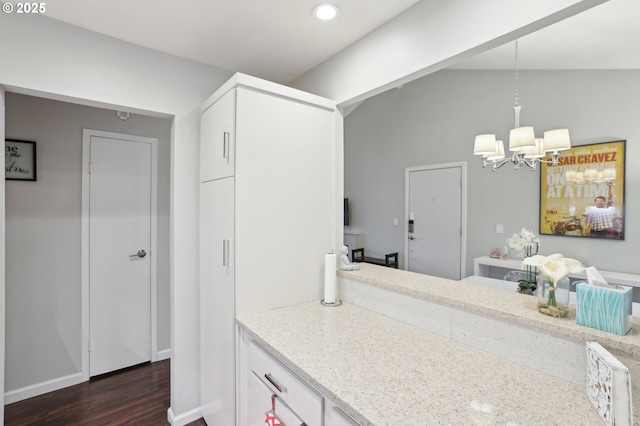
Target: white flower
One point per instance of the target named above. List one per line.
(554, 266)
(522, 241)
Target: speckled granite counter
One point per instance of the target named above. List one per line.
(510, 307)
(384, 372)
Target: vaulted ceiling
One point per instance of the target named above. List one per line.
(280, 40)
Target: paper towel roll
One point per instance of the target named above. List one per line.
(330, 278)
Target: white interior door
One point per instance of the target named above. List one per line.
(121, 212)
(435, 203)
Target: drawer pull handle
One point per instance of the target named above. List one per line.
(275, 383)
(225, 252)
(225, 146)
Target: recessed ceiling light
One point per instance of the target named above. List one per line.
(326, 11)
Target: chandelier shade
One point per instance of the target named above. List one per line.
(536, 151)
(557, 140)
(484, 145)
(499, 154)
(520, 138)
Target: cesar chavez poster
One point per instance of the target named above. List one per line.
(583, 196)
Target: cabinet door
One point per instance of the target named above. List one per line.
(259, 401)
(217, 139)
(217, 301)
(335, 417)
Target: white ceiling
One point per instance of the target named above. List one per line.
(280, 40)
(604, 37)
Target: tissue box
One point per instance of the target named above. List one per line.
(607, 309)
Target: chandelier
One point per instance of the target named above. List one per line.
(525, 148)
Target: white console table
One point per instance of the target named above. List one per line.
(486, 266)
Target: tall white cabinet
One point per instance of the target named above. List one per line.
(267, 217)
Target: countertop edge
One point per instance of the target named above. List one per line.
(421, 287)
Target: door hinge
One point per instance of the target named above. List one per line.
(89, 168)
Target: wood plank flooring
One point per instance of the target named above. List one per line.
(136, 396)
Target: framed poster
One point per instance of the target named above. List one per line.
(583, 196)
(20, 160)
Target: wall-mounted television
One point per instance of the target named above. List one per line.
(346, 212)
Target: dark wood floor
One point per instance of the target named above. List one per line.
(136, 396)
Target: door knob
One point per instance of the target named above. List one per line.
(411, 237)
(140, 253)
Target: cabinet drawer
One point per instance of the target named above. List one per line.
(336, 417)
(284, 383)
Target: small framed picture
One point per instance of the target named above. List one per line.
(20, 160)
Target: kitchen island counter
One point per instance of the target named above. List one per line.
(501, 305)
(382, 371)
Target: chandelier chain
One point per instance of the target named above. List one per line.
(516, 74)
(516, 107)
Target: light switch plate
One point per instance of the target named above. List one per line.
(499, 228)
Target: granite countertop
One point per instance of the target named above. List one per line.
(507, 306)
(384, 372)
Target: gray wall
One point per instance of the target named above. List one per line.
(435, 119)
(43, 303)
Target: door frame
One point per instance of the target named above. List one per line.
(86, 156)
(463, 207)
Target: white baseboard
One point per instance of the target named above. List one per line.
(42, 388)
(58, 383)
(165, 354)
(183, 419)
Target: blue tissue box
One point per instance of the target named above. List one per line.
(607, 309)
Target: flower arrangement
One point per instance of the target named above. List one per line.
(553, 269)
(525, 243)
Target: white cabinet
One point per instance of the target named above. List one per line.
(266, 382)
(217, 139)
(334, 416)
(273, 149)
(294, 397)
(259, 401)
(217, 314)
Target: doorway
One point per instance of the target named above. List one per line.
(119, 203)
(435, 229)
